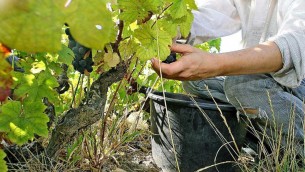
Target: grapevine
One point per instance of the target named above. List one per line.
(123, 33)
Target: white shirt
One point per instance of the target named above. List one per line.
(281, 21)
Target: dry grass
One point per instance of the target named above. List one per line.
(267, 153)
(129, 149)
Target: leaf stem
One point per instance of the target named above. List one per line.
(73, 100)
(159, 16)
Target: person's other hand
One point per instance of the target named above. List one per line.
(193, 65)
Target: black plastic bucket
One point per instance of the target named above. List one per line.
(196, 143)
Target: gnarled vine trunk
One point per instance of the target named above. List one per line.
(90, 111)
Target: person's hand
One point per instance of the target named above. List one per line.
(193, 65)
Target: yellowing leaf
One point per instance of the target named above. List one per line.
(127, 48)
(154, 42)
(111, 59)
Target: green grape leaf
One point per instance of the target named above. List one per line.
(137, 10)
(178, 9)
(127, 48)
(55, 67)
(31, 25)
(146, 53)
(170, 26)
(38, 87)
(22, 121)
(90, 23)
(151, 79)
(65, 55)
(204, 46)
(215, 44)
(21, 78)
(111, 59)
(186, 25)
(130, 28)
(3, 166)
(192, 5)
(154, 42)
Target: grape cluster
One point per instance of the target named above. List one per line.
(171, 58)
(82, 55)
(13, 60)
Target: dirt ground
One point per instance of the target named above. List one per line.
(137, 157)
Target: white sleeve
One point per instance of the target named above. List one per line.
(214, 19)
(291, 42)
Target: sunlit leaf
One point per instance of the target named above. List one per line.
(154, 42)
(170, 26)
(27, 79)
(111, 59)
(139, 10)
(38, 66)
(178, 9)
(186, 24)
(22, 121)
(191, 4)
(37, 88)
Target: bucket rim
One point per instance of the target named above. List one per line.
(157, 96)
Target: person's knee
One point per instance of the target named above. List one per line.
(244, 88)
(238, 92)
(233, 87)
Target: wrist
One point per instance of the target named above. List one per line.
(220, 64)
(212, 65)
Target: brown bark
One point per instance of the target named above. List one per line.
(89, 111)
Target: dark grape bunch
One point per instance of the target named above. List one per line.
(171, 58)
(83, 56)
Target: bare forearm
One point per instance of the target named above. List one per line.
(264, 58)
(196, 64)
